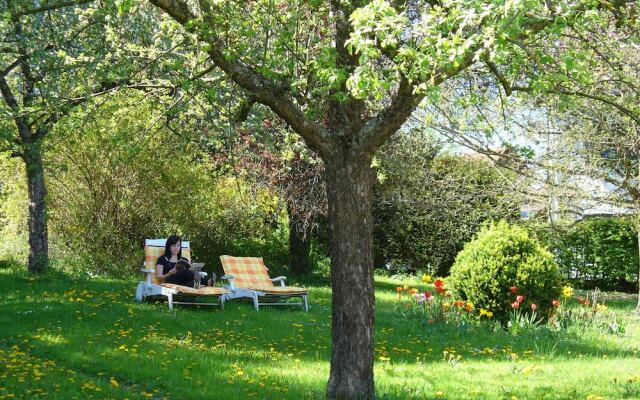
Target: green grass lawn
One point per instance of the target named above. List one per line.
(64, 338)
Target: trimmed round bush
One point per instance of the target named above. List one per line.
(503, 258)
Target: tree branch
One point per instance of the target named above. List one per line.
(342, 12)
(21, 122)
(49, 7)
(375, 132)
(245, 108)
(624, 110)
(11, 66)
(378, 130)
(503, 81)
(265, 91)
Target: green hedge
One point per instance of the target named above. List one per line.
(600, 252)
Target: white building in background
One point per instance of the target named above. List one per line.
(558, 197)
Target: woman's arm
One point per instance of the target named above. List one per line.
(161, 278)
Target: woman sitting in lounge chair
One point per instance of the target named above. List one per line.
(168, 272)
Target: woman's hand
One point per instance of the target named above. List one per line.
(173, 271)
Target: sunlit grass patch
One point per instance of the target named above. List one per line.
(92, 340)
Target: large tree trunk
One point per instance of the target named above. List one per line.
(38, 235)
(299, 246)
(350, 197)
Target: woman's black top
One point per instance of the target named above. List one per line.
(166, 264)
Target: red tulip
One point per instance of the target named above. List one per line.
(580, 300)
(515, 304)
(440, 290)
(587, 302)
(427, 295)
(556, 303)
(534, 306)
(438, 283)
(520, 299)
(513, 289)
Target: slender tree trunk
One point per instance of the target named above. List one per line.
(350, 197)
(299, 246)
(638, 229)
(638, 306)
(38, 235)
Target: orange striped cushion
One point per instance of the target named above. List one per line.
(203, 291)
(151, 255)
(280, 290)
(248, 272)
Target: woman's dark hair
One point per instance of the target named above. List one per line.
(167, 247)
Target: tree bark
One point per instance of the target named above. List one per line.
(38, 233)
(638, 306)
(638, 229)
(350, 198)
(299, 246)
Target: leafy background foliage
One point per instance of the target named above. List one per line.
(429, 202)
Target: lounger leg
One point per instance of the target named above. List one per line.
(255, 302)
(170, 301)
(139, 291)
(222, 302)
(306, 306)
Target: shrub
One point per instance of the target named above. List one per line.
(13, 209)
(596, 252)
(503, 260)
(113, 185)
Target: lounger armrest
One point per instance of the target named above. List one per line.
(280, 279)
(148, 273)
(229, 277)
